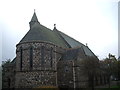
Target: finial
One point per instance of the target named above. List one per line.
(86, 44)
(54, 25)
(34, 10)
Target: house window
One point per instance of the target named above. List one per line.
(51, 56)
(21, 58)
(31, 57)
(42, 55)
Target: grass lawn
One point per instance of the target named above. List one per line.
(115, 87)
(111, 88)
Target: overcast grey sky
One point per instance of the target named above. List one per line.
(119, 28)
(94, 22)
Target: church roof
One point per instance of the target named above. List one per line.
(72, 43)
(42, 33)
(74, 53)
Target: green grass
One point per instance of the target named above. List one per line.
(115, 87)
(111, 88)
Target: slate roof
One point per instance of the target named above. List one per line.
(42, 33)
(71, 54)
(34, 18)
(72, 43)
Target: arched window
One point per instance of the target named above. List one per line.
(31, 58)
(42, 55)
(9, 81)
(21, 58)
(51, 56)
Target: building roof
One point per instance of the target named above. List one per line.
(42, 33)
(72, 54)
(72, 43)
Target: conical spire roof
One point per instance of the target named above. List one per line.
(34, 18)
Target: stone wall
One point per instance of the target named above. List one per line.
(65, 73)
(8, 73)
(39, 64)
(71, 74)
(81, 79)
(44, 60)
(35, 79)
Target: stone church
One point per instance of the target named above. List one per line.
(46, 58)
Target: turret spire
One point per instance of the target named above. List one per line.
(34, 10)
(34, 19)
